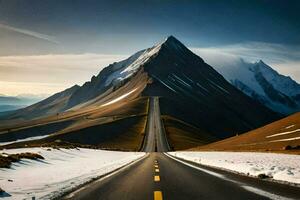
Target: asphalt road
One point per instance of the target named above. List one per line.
(172, 180)
(159, 176)
(155, 140)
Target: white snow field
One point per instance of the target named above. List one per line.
(281, 167)
(60, 171)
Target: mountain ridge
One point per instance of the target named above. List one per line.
(190, 90)
(264, 84)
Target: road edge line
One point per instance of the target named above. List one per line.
(72, 192)
(235, 172)
(247, 187)
(196, 167)
(142, 147)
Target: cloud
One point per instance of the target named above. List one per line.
(283, 58)
(253, 51)
(12, 88)
(51, 72)
(30, 33)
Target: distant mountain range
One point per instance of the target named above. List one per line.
(9, 103)
(190, 90)
(264, 84)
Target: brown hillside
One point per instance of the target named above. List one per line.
(282, 135)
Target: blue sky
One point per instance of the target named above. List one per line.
(267, 30)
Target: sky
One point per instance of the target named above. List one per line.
(47, 46)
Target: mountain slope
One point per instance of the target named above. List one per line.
(106, 82)
(194, 92)
(265, 85)
(191, 92)
(281, 135)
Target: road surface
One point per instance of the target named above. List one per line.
(155, 140)
(159, 176)
(177, 181)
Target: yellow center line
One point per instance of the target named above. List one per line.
(156, 170)
(156, 178)
(158, 195)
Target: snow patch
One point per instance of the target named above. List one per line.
(128, 69)
(25, 139)
(221, 88)
(241, 184)
(182, 81)
(279, 166)
(291, 126)
(61, 170)
(264, 193)
(119, 98)
(287, 139)
(283, 133)
(164, 83)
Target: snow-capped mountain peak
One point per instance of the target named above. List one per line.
(261, 82)
(132, 64)
(116, 73)
(284, 84)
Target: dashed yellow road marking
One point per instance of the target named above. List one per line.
(156, 178)
(158, 195)
(156, 170)
(156, 166)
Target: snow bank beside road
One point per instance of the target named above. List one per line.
(281, 167)
(60, 171)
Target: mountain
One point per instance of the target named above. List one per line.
(8, 103)
(8, 107)
(50, 105)
(192, 95)
(264, 84)
(39, 97)
(9, 100)
(280, 135)
(194, 92)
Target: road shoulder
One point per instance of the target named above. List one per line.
(72, 193)
(274, 189)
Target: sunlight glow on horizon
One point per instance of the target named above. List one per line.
(49, 74)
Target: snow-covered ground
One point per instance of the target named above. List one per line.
(281, 167)
(60, 171)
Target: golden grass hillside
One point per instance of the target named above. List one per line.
(280, 136)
